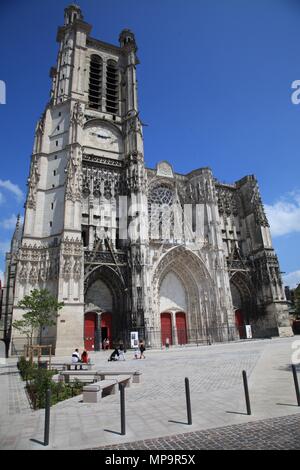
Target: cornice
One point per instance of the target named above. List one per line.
(104, 46)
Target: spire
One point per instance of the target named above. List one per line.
(16, 239)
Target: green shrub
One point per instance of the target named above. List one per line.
(26, 368)
(42, 381)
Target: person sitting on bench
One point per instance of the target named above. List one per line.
(85, 357)
(75, 357)
(114, 355)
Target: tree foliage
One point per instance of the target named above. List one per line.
(41, 311)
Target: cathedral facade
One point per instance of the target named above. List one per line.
(177, 258)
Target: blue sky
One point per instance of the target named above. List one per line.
(214, 90)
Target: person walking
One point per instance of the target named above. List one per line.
(142, 349)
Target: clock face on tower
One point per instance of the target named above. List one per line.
(101, 137)
(102, 134)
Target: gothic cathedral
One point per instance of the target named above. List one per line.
(177, 258)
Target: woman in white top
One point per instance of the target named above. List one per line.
(75, 357)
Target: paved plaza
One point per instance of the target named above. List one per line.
(156, 407)
(271, 434)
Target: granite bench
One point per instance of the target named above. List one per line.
(66, 374)
(136, 375)
(94, 392)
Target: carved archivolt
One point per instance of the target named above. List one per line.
(196, 280)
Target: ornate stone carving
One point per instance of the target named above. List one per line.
(258, 207)
(78, 114)
(38, 263)
(101, 182)
(199, 191)
(74, 177)
(227, 201)
(164, 169)
(136, 180)
(102, 161)
(67, 267)
(33, 181)
(77, 268)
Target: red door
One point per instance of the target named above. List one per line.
(239, 322)
(106, 330)
(89, 331)
(166, 328)
(181, 328)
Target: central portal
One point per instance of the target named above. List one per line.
(104, 305)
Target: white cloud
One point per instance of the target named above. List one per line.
(284, 215)
(13, 188)
(2, 277)
(10, 223)
(2, 199)
(292, 279)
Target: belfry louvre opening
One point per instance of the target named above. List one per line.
(95, 82)
(112, 88)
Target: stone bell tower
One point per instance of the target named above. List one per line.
(88, 151)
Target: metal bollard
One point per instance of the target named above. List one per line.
(47, 417)
(188, 400)
(122, 408)
(246, 392)
(296, 383)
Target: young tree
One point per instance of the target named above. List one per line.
(41, 310)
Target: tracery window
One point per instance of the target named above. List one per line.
(161, 202)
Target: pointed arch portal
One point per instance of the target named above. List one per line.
(184, 297)
(105, 307)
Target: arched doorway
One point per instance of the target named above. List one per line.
(90, 325)
(242, 296)
(106, 327)
(166, 328)
(104, 294)
(181, 283)
(181, 328)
